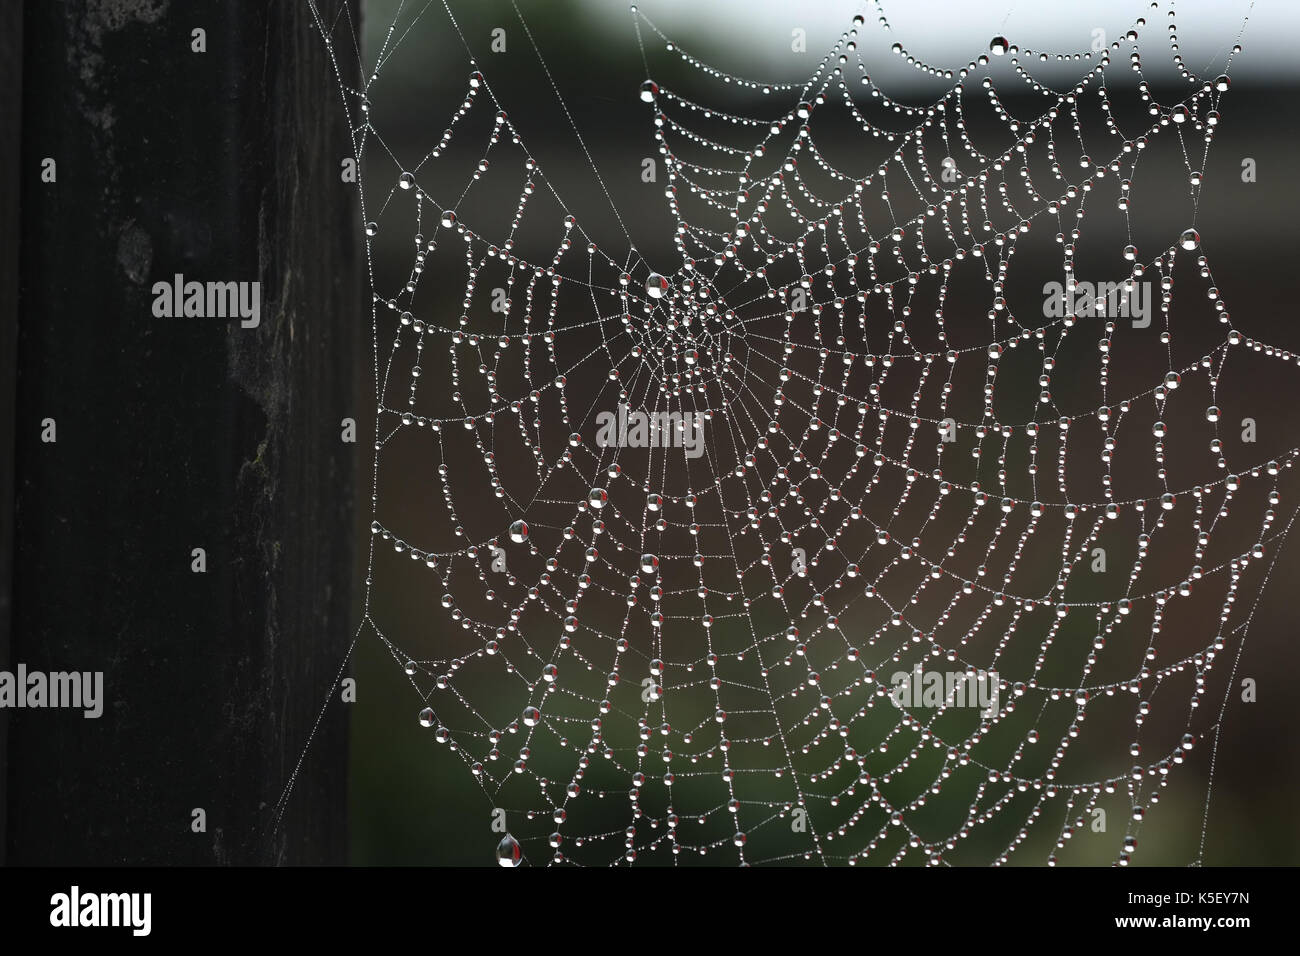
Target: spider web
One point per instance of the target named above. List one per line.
(908, 459)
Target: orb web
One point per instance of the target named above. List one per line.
(936, 392)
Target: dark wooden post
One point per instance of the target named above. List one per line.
(175, 434)
(11, 86)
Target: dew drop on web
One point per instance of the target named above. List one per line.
(509, 853)
(656, 286)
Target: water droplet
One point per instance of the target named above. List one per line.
(1222, 83)
(998, 46)
(519, 532)
(406, 180)
(508, 852)
(1190, 239)
(1130, 253)
(426, 717)
(649, 564)
(372, 229)
(649, 90)
(597, 498)
(531, 716)
(448, 219)
(656, 286)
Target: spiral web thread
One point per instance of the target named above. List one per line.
(690, 658)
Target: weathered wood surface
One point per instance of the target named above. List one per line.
(182, 433)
